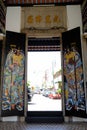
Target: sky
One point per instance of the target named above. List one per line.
(39, 62)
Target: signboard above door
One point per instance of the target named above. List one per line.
(45, 17)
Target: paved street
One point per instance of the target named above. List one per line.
(42, 103)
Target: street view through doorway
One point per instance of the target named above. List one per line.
(44, 81)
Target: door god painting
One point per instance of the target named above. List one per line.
(73, 73)
(13, 81)
(74, 91)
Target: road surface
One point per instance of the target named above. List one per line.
(42, 103)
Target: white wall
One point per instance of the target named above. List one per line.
(13, 19)
(74, 17)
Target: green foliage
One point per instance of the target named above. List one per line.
(59, 90)
(28, 84)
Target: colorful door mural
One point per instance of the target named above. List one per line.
(13, 77)
(1, 54)
(73, 75)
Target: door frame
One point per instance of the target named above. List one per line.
(45, 116)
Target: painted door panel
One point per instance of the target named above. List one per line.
(13, 75)
(73, 75)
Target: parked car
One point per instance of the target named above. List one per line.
(46, 93)
(29, 94)
(55, 95)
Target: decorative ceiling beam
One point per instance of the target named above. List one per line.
(36, 2)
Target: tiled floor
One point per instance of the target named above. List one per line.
(42, 126)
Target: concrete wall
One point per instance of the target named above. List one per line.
(74, 17)
(13, 19)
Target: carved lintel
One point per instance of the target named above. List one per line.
(43, 32)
